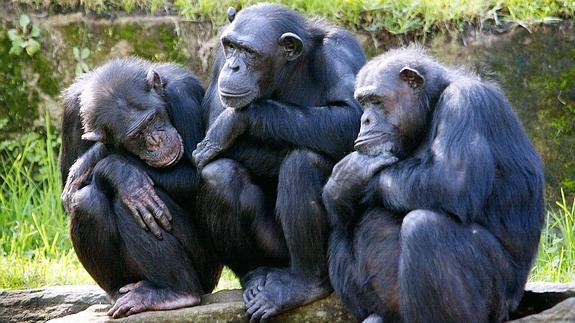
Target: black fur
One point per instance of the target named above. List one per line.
(109, 243)
(449, 232)
(263, 197)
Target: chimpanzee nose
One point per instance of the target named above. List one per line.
(234, 65)
(365, 120)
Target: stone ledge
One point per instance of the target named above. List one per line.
(542, 302)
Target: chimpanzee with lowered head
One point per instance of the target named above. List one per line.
(127, 136)
(436, 217)
(281, 112)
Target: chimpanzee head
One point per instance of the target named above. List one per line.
(258, 46)
(398, 92)
(123, 104)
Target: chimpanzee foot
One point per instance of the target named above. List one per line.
(283, 291)
(143, 296)
(254, 282)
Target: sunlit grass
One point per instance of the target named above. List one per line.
(556, 259)
(399, 16)
(35, 248)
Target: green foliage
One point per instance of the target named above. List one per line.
(400, 16)
(35, 249)
(34, 245)
(80, 56)
(24, 37)
(556, 258)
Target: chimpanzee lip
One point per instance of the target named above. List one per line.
(180, 153)
(234, 94)
(364, 139)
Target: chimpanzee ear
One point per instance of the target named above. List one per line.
(96, 135)
(154, 81)
(292, 45)
(231, 14)
(412, 77)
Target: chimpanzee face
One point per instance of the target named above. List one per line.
(392, 112)
(132, 115)
(254, 54)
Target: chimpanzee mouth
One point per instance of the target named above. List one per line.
(365, 139)
(180, 153)
(234, 94)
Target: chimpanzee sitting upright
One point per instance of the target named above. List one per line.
(132, 125)
(447, 233)
(281, 112)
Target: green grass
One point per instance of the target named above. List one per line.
(397, 17)
(35, 248)
(556, 259)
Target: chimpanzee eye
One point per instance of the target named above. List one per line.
(375, 101)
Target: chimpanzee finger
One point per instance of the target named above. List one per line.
(159, 209)
(163, 220)
(150, 221)
(136, 215)
(163, 206)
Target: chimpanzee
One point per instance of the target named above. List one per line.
(132, 125)
(436, 217)
(281, 112)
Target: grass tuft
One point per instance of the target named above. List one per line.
(35, 249)
(556, 258)
(396, 17)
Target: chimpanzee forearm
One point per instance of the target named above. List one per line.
(341, 205)
(330, 130)
(457, 186)
(180, 182)
(115, 172)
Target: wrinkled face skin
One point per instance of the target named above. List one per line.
(253, 53)
(133, 117)
(154, 139)
(392, 118)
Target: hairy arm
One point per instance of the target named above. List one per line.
(455, 174)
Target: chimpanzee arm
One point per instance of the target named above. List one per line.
(135, 189)
(344, 190)
(329, 129)
(455, 174)
(73, 146)
(180, 181)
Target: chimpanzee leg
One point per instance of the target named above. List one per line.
(363, 265)
(240, 219)
(451, 272)
(96, 240)
(169, 278)
(300, 210)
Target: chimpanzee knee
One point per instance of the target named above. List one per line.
(459, 270)
(417, 224)
(222, 172)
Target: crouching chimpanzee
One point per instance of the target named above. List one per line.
(448, 232)
(281, 112)
(132, 125)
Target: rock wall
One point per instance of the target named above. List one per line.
(535, 67)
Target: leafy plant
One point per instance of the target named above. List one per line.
(23, 37)
(80, 55)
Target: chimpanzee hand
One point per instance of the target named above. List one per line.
(135, 189)
(229, 125)
(353, 172)
(79, 173)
